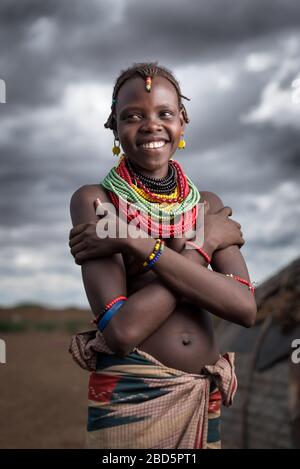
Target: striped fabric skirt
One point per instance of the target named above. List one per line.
(137, 402)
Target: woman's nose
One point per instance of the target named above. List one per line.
(151, 124)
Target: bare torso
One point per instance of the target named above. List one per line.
(186, 340)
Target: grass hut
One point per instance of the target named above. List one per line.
(266, 411)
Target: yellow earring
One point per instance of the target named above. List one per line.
(116, 148)
(181, 144)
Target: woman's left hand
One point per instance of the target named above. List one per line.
(86, 244)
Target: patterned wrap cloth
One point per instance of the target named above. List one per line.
(137, 402)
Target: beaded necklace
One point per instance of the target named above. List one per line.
(159, 186)
(161, 215)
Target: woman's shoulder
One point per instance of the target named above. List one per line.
(215, 202)
(82, 204)
(89, 192)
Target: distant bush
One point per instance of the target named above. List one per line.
(11, 325)
(46, 326)
(73, 326)
(28, 305)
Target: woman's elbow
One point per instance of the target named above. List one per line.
(118, 342)
(122, 349)
(126, 345)
(249, 314)
(113, 341)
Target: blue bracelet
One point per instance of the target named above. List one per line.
(109, 314)
(156, 257)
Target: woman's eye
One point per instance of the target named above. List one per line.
(166, 113)
(133, 116)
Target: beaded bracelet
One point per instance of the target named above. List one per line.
(107, 307)
(152, 255)
(109, 314)
(203, 253)
(242, 280)
(155, 254)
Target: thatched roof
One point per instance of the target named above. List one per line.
(265, 413)
(279, 296)
(278, 320)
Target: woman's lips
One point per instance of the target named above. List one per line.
(157, 145)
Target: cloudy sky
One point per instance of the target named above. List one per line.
(238, 61)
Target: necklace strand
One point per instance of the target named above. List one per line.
(161, 215)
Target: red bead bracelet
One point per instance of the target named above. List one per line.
(107, 307)
(203, 253)
(242, 280)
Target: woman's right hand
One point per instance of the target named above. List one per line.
(221, 231)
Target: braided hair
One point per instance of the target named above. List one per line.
(144, 69)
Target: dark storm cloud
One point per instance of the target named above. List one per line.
(46, 46)
(213, 21)
(89, 38)
(254, 165)
(73, 33)
(207, 23)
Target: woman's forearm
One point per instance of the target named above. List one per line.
(210, 290)
(145, 310)
(142, 313)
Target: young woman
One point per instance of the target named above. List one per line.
(157, 376)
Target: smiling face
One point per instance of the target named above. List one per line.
(149, 125)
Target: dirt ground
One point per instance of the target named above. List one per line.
(43, 393)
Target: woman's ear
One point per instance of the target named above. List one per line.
(182, 120)
(114, 126)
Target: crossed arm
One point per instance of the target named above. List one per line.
(179, 275)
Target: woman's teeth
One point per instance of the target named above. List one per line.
(148, 145)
